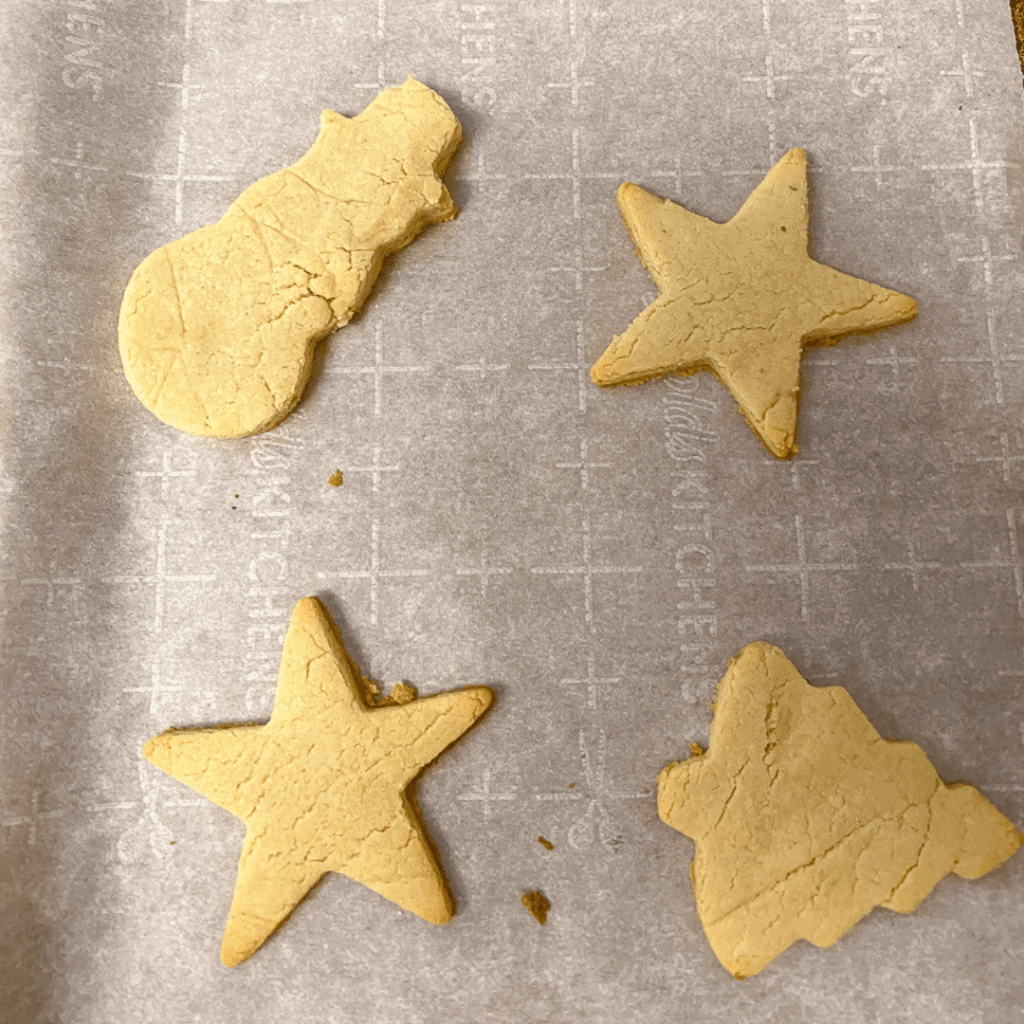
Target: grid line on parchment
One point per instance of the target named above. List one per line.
(375, 573)
(1013, 561)
(162, 580)
(33, 818)
(179, 178)
(803, 567)
(378, 370)
(994, 355)
(1004, 460)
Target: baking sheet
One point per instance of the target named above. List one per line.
(595, 557)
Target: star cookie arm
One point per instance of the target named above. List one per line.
(214, 762)
(664, 234)
(778, 208)
(424, 728)
(397, 860)
(316, 671)
(844, 305)
(272, 880)
(668, 337)
(399, 863)
(665, 338)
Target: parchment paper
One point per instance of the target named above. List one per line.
(594, 556)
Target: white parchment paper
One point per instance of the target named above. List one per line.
(593, 556)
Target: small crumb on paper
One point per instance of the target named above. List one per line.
(537, 904)
(335, 479)
(547, 844)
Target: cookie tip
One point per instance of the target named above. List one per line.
(156, 750)
(908, 307)
(231, 957)
(486, 697)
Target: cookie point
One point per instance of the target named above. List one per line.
(230, 957)
(440, 912)
(157, 751)
(306, 607)
(907, 306)
(485, 695)
(759, 649)
(329, 116)
(629, 196)
(602, 374)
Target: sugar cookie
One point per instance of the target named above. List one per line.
(804, 818)
(324, 785)
(217, 329)
(741, 299)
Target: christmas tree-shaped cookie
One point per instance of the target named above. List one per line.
(804, 818)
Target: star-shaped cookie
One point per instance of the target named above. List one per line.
(324, 785)
(804, 818)
(741, 299)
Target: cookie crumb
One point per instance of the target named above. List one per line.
(335, 479)
(173, 841)
(537, 905)
(696, 750)
(402, 693)
(572, 785)
(547, 844)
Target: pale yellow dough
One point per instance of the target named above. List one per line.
(741, 299)
(324, 785)
(217, 329)
(804, 818)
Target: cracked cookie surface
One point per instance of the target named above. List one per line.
(741, 299)
(324, 785)
(217, 329)
(804, 818)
